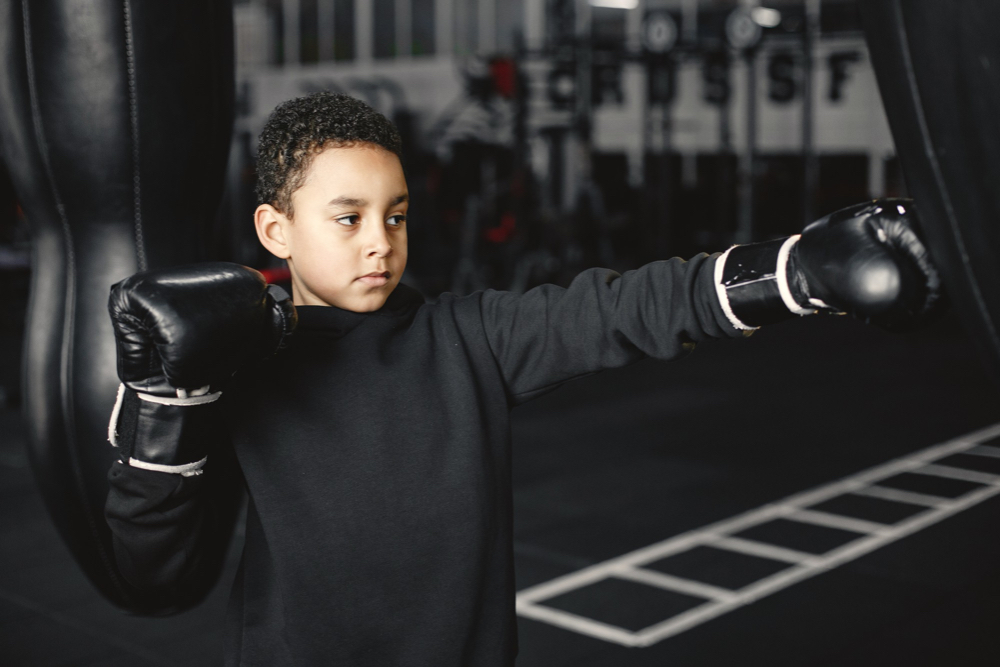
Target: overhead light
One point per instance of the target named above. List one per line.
(615, 4)
(766, 17)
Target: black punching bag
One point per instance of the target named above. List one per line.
(115, 122)
(938, 69)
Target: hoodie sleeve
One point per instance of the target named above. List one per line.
(604, 319)
(170, 532)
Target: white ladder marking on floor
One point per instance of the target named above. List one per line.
(900, 496)
(801, 566)
(985, 450)
(679, 584)
(761, 550)
(962, 474)
(828, 520)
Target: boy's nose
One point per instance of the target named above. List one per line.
(377, 244)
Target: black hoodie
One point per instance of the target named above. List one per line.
(376, 453)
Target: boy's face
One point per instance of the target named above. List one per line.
(346, 245)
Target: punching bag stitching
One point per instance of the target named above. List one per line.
(133, 110)
(65, 369)
(936, 170)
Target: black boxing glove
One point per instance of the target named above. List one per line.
(181, 333)
(866, 260)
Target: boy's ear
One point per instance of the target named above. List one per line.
(270, 224)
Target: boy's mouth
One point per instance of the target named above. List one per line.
(375, 278)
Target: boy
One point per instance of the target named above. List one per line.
(375, 443)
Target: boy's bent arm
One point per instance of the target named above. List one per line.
(170, 531)
(181, 333)
(602, 320)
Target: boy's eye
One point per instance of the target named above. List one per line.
(397, 220)
(348, 220)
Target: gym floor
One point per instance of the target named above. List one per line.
(659, 521)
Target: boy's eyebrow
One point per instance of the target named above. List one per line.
(356, 202)
(348, 202)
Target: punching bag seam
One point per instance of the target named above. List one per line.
(936, 170)
(66, 371)
(133, 110)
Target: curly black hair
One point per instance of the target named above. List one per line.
(299, 129)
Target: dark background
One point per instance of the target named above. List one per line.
(611, 463)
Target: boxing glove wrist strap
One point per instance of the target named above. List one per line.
(165, 434)
(183, 398)
(753, 287)
(184, 470)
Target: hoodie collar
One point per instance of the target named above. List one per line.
(331, 320)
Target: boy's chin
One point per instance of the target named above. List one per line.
(352, 299)
(363, 304)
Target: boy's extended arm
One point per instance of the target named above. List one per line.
(602, 320)
(865, 260)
